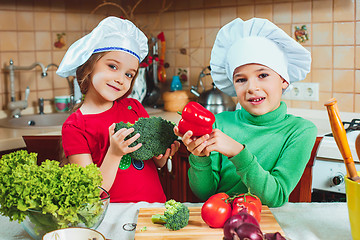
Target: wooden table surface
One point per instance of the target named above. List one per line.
(196, 229)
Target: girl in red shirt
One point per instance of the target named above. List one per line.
(106, 63)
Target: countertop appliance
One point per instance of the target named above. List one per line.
(213, 99)
(329, 172)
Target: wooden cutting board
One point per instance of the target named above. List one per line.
(196, 229)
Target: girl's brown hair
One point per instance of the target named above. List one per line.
(83, 74)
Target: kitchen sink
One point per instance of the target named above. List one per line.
(35, 121)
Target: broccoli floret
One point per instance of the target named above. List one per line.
(156, 135)
(176, 215)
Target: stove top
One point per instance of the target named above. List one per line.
(354, 125)
(328, 148)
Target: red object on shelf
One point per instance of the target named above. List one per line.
(161, 68)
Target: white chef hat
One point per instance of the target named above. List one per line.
(111, 34)
(256, 41)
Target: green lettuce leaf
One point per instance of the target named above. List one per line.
(66, 196)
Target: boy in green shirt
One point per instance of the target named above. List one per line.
(258, 147)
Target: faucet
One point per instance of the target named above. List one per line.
(194, 89)
(41, 104)
(67, 78)
(71, 88)
(17, 106)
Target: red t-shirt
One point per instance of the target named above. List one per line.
(135, 180)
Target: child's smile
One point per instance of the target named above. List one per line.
(256, 100)
(115, 88)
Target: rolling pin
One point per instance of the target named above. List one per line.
(339, 134)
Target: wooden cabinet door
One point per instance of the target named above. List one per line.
(302, 191)
(176, 182)
(46, 146)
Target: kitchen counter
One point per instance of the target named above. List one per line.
(299, 221)
(12, 138)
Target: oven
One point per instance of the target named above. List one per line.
(329, 171)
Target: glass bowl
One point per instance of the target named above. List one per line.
(37, 224)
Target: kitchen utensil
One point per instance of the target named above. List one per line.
(155, 58)
(196, 229)
(339, 133)
(161, 68)
(152, 92)
(353, 203)
(213, 100)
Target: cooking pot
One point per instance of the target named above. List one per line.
(213, 100)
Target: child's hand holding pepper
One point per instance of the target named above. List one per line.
(195, 129)
(195, 145)
(215, 141)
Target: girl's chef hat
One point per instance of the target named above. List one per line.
(112, 34)
(256, 41)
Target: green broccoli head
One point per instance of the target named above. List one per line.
(156, 135)
(176, 216)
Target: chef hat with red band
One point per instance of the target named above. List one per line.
(256, 41)
(111, 34)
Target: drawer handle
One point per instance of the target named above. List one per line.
(169, 164)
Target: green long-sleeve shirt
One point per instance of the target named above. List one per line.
(277, 148)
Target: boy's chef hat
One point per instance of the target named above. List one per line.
(256, 41)
(111, 34)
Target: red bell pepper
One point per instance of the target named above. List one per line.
(197, 119)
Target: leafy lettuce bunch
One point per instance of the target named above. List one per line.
(65, 196)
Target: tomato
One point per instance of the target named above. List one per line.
(238, 206)
(250, 198)
(216, 210)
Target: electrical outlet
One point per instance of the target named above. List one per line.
(303, 91)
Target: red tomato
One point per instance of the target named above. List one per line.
(249, 207)
(250, 198)
(216, 210)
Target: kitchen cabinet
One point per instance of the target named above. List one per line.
(302, 191)
(46, 146)
(176, 182)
